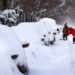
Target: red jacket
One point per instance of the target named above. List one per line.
(71, 31)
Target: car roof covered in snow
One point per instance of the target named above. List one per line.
(49, 21)
(10, 40)
(3, 46)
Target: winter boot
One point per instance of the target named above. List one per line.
(73, 40)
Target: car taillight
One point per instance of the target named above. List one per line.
(22, 69)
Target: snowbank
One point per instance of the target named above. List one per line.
(54, 60)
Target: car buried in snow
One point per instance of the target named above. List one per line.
(12, 55)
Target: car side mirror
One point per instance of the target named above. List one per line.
(14, 56)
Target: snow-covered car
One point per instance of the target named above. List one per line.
(9, 16)
(41, 32)
(12, 55)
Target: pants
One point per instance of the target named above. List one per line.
(64, 37)
(73, 40)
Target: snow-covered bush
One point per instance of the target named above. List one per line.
(9, 16)
(12, 55)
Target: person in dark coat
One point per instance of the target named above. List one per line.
(65, 31)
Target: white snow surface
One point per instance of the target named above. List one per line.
(58, 59)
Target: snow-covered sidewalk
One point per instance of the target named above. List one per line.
(54, 60)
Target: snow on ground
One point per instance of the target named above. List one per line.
(42, 60)
(54, 60)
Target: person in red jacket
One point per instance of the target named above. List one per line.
(72, 31)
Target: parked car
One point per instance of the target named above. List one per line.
(12, 55)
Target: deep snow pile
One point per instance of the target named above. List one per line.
(42, 60)
(10, 45)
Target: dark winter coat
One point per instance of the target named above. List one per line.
(65, 30)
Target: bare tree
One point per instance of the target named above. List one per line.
(4, 4)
